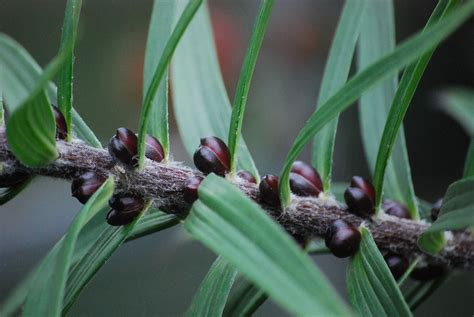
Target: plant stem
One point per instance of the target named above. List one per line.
(306, 216)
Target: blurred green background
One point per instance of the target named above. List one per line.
(159, 274)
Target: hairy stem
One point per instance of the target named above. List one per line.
(305, 216)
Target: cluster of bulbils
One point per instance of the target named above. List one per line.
(213, 156)
(122, 148)
(342, 239)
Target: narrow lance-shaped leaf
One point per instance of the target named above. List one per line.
(372, 289)
(19, 74)
(159, 31)
(159, 73)
(54, 276)
(380, 70)
(95, 244)
(245, 300)
(65, 80)
(200, 100)
(212, 294)
(456, 213)
(236, 228)
(31, 127)
(377, 38)
(392, 168)
(243, 86)
(97, 253)
(335, 75)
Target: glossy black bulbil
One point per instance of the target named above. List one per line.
(360, 197)
(305, 180)
(153, 149)
(397, 264)
(125, 208)
(84, 186)
(394, 208)
(117, 218)
(269, 190)
(191, 186)
(61, 127)
(126, 203)
(342, 239)
(364, 185)
(123, 147)
(13, 179)
(212, 156)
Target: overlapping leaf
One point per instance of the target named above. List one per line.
(403, 55)
(245, 300)
(335, 75)
(65, 81)
(392, 167)
(19, 75)
(201, 104)
(159, 31)
(377, 39)
(95, 244)
(456, 213)
(159, 73)
(232, 225)
(372, 289)
(245, 79)
(53, 276)
(212, 294)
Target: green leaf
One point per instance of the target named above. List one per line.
(392, 168)
(153, 221)
(212, 294)
(161, 25)
(377, 38)
(19, 74)
(94, 236)
(335, 75)
(243, 86)
(65, 80)
(456, 213)
(236, 228)
(200, 101)
(105, 244)
(458, 103)
(31, 127)
(54, 276)
(160, 70)
(372, 289)
(245, 300)
(403, 55)
(425, 291)
(98, 252)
